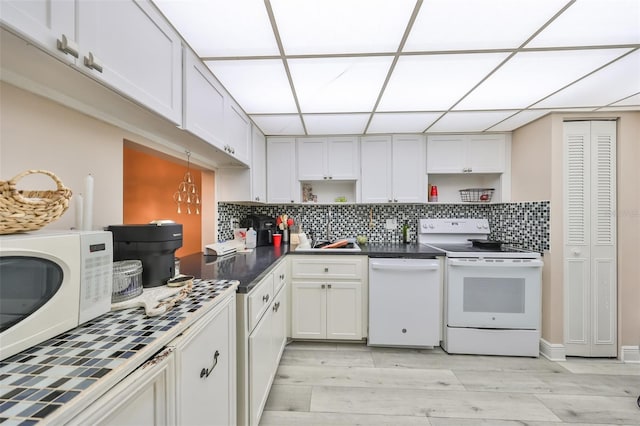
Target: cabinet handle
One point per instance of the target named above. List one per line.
(291, 201)
(276, 306)
(324, 177)
(322, 286)
(389, 199)
(204, 373)
(257, 198)
(265, 298)
(282, 276)
(330, 177)
(328, 285)
(67, 46)
(326, 269)
(395, 200)
(93, 62)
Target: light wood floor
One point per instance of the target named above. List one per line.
(352, 384)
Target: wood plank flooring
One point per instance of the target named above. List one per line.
(353, 384)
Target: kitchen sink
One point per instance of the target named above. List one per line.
(351, 247)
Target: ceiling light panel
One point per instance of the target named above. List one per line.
(469, 121)
(465, 25)
(435, 82)
(338, 26)
(259, 86)
(282, 125)
(338, 84)
(616, 81)
(335, 124)
(221, 27)
(530, 76)
(593, 23)
(518, 120)
(399, 122)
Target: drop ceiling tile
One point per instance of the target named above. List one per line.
(619, 108)
(616, 81)
(338, 26)
(221, 27)
(478, 24)
(593, 23)
(335, 124)
(530, 76)
(475, 121)
(518, 120)
(629, 101)
(435, 82)
(283, 125)
(259, 86)
(399, 122)
(338, 84)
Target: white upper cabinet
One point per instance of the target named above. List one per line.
(282, 185)
(393, 169)
(466, 153)
(126, 44)
(204, 102)
(334, 158)
(238, 131)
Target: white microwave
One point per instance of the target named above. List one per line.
(51, 282)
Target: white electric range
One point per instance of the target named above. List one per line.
(492, 297)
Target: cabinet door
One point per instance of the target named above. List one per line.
(279, 326)
(312, 158)
(308, 310)
(43, 22)
(205, 358)
(342, 158)
(238, 132)
(409, 174)
(485, 153)
(204, 102)
(258, 166)
(280, 275)
(261, 367)
(446, 154)
(344, 310)
(282, 186)
(375, 154)
(259, 300)
(140, 52)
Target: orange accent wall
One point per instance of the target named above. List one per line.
(148, 187)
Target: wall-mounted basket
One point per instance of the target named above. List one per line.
(22, 211)
(476, 195)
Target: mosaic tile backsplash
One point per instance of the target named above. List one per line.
(524, 224)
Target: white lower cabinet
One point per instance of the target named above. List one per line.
(205, 370)
(262, 335)
(327, 297)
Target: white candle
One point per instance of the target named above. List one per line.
(87, 218)
(78, 206)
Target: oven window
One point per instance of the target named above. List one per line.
(26, 283)
(498, 295)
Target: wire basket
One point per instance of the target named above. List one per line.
(22, 211)
(476, 195)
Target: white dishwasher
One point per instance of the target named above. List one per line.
(404, 302)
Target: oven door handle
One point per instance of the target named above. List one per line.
(533, 263)
(404, 267)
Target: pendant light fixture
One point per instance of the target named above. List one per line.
(187, 194)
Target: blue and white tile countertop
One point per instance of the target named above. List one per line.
(55, 380)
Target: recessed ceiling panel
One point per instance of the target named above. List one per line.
(468, 121)
(518, 120)
(285, 124)
(335, 124)
(593, 23)
(629, 101)
(221, 27)
(338, 84)
(338, 26)
(401, 122)
(259, 86)
(530, 76)
(618, 80)
(466, 25)
(435, 82)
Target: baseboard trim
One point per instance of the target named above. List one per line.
(630, 354)
(552, 351)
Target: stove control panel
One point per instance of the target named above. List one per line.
(454, 226)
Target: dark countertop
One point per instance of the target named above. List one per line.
(249, 268)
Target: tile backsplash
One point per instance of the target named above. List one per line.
(525, 224)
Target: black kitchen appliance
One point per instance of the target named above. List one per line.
(154, 244)
(264, 225)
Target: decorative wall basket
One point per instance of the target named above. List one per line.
(22, 211)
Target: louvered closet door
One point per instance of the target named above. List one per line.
(590, 238)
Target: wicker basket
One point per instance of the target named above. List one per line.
(22, 211)
(476, 195)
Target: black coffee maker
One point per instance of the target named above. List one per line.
(265, 227)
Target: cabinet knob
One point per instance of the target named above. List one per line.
(330, 177)
(326, 269)
(328, 285)
(67, 46)
(395, 200)
(276, 306)
(265, 298)
(291, 201)
(324, 177)
(390, 200)
(322, 286)
(575, 252)
(204, 373)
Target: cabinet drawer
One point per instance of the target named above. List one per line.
(337, 267)
(259, 300)
(280, 276)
